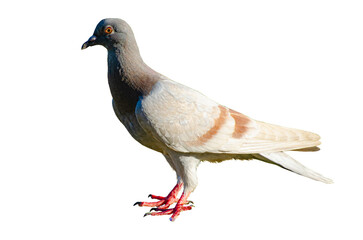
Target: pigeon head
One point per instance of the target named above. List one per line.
(124, 59)
(110, 33)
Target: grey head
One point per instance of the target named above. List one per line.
(124, 60)
(111, 33)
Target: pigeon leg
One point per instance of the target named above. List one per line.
(174, 212)
(179, 206)
(164, 202)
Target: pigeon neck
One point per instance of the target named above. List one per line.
(128, 76)
(132, 69)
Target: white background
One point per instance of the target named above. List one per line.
(69, 169)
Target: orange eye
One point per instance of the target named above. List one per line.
(108, 30)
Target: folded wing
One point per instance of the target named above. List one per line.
(187, 121)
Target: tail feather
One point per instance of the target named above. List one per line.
(308, 149)
(285, 161)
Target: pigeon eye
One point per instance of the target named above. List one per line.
(108, 30)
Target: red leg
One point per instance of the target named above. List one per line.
(164, 202)
(175, 212)
(179, 206)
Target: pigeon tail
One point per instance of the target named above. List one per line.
(287, 162)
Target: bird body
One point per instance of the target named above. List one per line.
(183, 124)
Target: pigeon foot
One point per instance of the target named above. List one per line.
(164, 202)
(174, 212)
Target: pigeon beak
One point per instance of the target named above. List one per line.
(90, 42)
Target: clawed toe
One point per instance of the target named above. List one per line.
(161, 207)
(156, 197)
(182, 205)
(155, 209)
(171, 211)
(162, 201)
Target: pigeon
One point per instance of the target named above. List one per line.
(184, 125)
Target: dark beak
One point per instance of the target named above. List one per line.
(91, 41)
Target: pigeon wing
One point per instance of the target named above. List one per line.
(187, 121)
